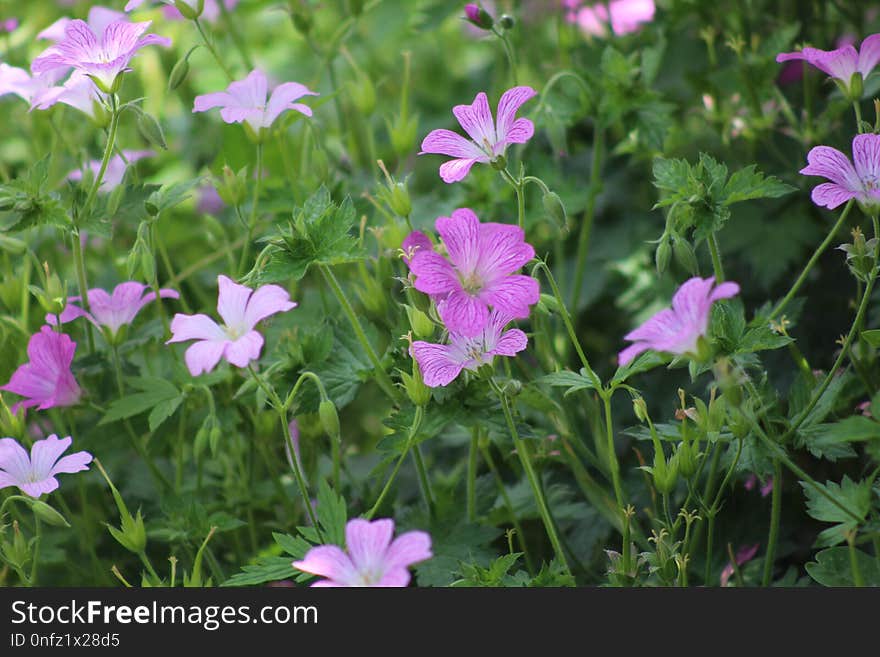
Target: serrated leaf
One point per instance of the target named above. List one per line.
(854, 496)
(749, 183)
(832, 567)
(832, 440)
(267, 569)
(571, 380)
(642, 363)
(162, 411)
(132, 405)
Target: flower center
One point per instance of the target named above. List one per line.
(233, 332)
(471, 283)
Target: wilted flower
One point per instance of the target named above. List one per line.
(843, 63)
(103, 58)
(241, 309)
(440, 364)
(245, 100)
(112, 310)
(373, 559)
(115, 171)
(489, 139)
(478, 274)
(35, 474)
(861, 182)
(46, 380)
(677, 330)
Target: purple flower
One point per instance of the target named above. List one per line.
(745, 554)
(115, 172)
(478, 17)
(861, 182)
(245, 100)
(441, 364)
(843, 63)
(104, 57)
(112, 310)
(677, 330)
(489, 139)
(413, 243)
(98, 19)
(752, 481)
(241, 309)
(35, 474)
(625, 16)
(478, 274)
(46, 380)
(373, 559)
(78, 91)
(9, 25)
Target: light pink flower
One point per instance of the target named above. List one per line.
(241, 309)
(373, 559)
(35, 474)
(98, 19)
(744, 555)
(677, 330)
(112, 310)
(441, 364)
(210, 12)
(861, 182)
(478, 274)
(103, 57)
(46, 380)
(843, 63)
(115, 172)
(489, 139)
(624, 16)
(245, 100)
(78, 91)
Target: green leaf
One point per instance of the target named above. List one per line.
(749, 183)
(571, 380)
(267, 569)
(854, 496)
(332, 514)
(162, 411)
(832, 567)
(762, 338)
(169, 196)
(155, 392)
(832, 440)
(872, 337)
(642, 363)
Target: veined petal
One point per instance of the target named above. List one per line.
(869, 55)
(194, 327)
(367, 541)
(656, 327)
(265, 301)
(831, 195)
(14, 461)
(37, 488)
(232, 301)
(508, 105)
(691, 304)
(626, 356)
(455, 170)
(510, 343)
(282, 98)
(520, 132)
(76, 462)
(840, 63)
(460, 233)
(725, 290)
(446, 142)
(44, 454)
(434, 274)
(209, 101)
(242, 351)
(512, 294)
(413, 243)
(203, 356)
(328, 561)
(476, 119)
(437, 362)
(407, 549)
(503, 250)
(830, 163)
(463, 314)
(866, 157)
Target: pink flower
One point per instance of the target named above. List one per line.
(413, 243)
(103, 58)
(745, 554)
(9, 25)
(98, 19)
(35, 474)
(765, 489)
(625, 16)
(115, 172)
(46, 380)
(237, 341)
(441, 364)
(678, 329)
(373, 559)
(489, 139)
(841, 64)
(112, 310)
(245, 100)
(478, 274)
(861, 182)
(210, 12)
(78, 91)
(478, 17)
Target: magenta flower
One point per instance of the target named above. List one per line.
(115, 172)
(861, 182)
(46, 380)
(373, 559)
(843, 63)
(245, 100)
(478, 274)
(35, 474)
(413, 243)
(489, 139)
(677, 330)
(103, 58)
(241, 309)
(112, 310)
(98, 19)
(9, 25)
(744, 555)
(441, 364)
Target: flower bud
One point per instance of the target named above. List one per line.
(190, 9)
(507, 22)
(17, 552)
(512, 387)
(665, 474)
(233, 188)
(179, 73)
(329, 418)
(403, 133)
(555, 209)
(301, 18)
(151, 131)
(422, 326)
(662, 255)
(478, 17)
(11, 424)
(363, 95)
(684, 254)
(686, 458)
(47, 514)
(640, 408)
(418, 393)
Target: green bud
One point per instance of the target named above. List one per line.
(151, 204)
(512, 387)
(507, 22)
(47, 514)
(373, 296)
(684, 254)
(399, 200)
(554, 209)
(148, 264)
(422, 326)
(189, 10)
(233, 188)
(499, 163)
(179, 73)
(363, 95)
(640, 408)
(856, 87)
(132, 535)
(403, 133)
(418, 393)
(662, 255)
(329, 418)
(686, 457)
(151, 131)
(665, 474)
(54, 298)
(16, 553)
(301, 19)
(478, 17)
(11, 424)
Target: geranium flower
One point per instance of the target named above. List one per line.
(677, 330)
(478, 274)
(624, 16)
(413, 243)
(241, 309)
(441, 364)
(46, 380)
(489, 139)
(35, 474)
(78, 91)
(373, 559)
(115, 172)
(210, 11)
(103, 58)
(843, 63)
(98, 19)
(861, 182)
(245, 100)
(112, 310)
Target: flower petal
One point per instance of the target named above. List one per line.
(626, 356)
(232, 301)
(45, 452)
(242, 351)
(328, 561)
(14, 461)
(437, 362)
(831, 195)
(407, 549)
(446, 142)
(830, 163)
(204, 355)
(456, 170)
(282, 98)
(434, 274)
(476, 119)
(869, 55)
(508, 105)
(512, 294)
(463, 314)
(866, 156)
(194, 327)
(503, 250)
(460, 234)
(367, 541)
(511, 343)
(265, 301)
(76, 462)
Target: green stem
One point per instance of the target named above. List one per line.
(80, 265)
(566, 318)
(589, 215)
(815, 257)
(775, 512)
(716, 258)
(32, 580)
(252, 220)
(853, 561)
(382, 377)
(518, 187)
(526, 462)
(212, 49)
(509, 53)
(613, 464)
(413, 432)
(149, 566)
(472, 475)
(502, 491)
(424, 481)
(858, 110)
